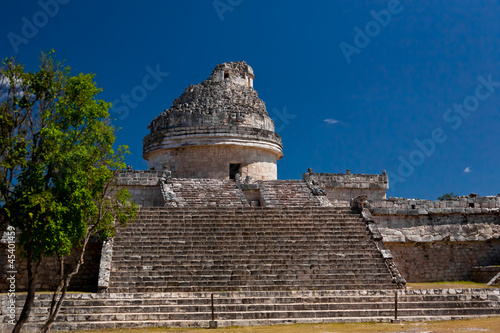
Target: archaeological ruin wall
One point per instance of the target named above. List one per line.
(48, 277)
(440, 240)
(340, 188)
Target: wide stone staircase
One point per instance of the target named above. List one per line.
(259, 249)
(248, 308)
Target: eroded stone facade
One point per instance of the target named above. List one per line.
(440, 240)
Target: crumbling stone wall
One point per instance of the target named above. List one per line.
(442, 260)
(341, 188)
(440, 240)
(439, 227)
(484, 274)
(464, 204)
(143, 186)
(85, 280)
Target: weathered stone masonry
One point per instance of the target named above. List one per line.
(85, 280)
(440, 240)
(341, 188)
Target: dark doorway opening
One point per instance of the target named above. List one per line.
(234, 168)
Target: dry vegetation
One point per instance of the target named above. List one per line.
(448, 285)
(474, 325)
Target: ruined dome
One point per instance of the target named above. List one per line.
(223, 111)
(227, 97)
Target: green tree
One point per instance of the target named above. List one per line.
(57, 168)
(447, 196)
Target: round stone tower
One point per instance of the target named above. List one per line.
(216, 129)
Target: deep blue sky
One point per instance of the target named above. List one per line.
(364, 115)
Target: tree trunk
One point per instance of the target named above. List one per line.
(30, 298)
(64, 283)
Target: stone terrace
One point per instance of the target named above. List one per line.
(250, 308)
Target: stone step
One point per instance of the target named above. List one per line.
(365, 295)
(248, 267)
(179, 304)
(214, 241)
(248, 253)
(180, 252)
(155, 308)
(195, 212)
(254, 278)
(251, 238)
(218, 242)
(150, 268)
(266, 313)
(240, 273)
(242, 221)
(315, 230)
(250, 214)
(243, 282)
(213, 262)
(246, 220)
(213, 259)
(221, 266)
(85, 325)
(293, 231)
(211, 240)
(239, 287)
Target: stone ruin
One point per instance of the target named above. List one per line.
(214, 219)
(214, 126)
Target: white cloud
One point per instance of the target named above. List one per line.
(467, 170)
(331, 121)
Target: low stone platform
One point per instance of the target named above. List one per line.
(250, 308)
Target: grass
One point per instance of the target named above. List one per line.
(448, 285)
(456, 326)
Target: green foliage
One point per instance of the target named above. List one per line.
(447, 196)
(57, 162)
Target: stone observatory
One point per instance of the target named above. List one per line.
(216, 129)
